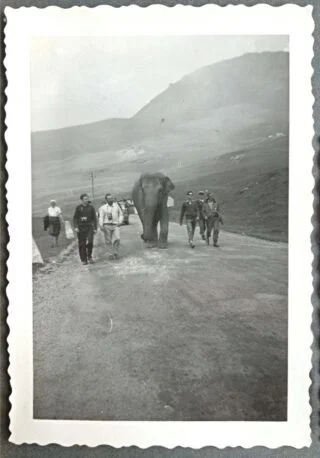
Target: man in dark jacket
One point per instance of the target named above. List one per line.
(210, 212)
(190, 210)
(85, 225)
(202, 221)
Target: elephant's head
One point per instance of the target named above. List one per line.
(155, 189)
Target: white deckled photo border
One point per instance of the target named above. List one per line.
(24, 23)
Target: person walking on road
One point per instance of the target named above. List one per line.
(110, 220)
(190, 210)
(107, 241)
(54, 220)
(202, 221)
(210, 213)
(85, 225)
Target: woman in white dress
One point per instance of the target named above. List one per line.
(55, 220)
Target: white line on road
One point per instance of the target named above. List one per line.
(111, 325)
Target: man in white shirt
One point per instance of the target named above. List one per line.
(110, 220)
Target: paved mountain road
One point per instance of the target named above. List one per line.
(176, 334)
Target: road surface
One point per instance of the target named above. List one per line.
(176, 334)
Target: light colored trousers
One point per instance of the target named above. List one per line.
(112, 237)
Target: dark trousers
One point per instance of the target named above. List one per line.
(85, 239)
(213, 222)
(202, 225)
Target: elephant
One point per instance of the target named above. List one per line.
(150, 195)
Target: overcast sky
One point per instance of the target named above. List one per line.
(77, 80)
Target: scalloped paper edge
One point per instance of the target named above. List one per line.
(291, 20)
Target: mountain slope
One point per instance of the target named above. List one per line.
(253, 79)
(247, 90)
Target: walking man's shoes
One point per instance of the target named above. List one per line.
(116, 256)
(192, 244)
(90, 261)
(215, 245)
(84, 263)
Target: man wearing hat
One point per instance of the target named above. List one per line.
(210, 212)
(202, 221)
(190, 210)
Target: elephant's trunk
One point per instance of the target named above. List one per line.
(149, 225)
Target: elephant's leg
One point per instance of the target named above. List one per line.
(137, 199)
(164, 228)
(154, 235)
(143, 231)
(153, 242)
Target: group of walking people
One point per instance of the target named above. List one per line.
(86, 222)
(204, 210)
(109, 218)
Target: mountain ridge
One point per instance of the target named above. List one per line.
(193, 73)
(278, 57)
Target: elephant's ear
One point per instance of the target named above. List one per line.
(168, 185)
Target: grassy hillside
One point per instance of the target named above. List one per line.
(252, 185)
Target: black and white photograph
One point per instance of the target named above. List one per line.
(160, 189)
(161, 312)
